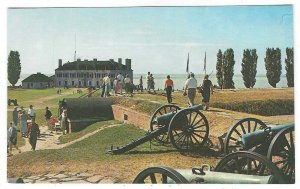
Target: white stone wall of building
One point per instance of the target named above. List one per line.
(86, 81)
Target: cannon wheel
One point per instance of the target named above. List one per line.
(163, 139)
(250, 163)
(159, 175)
(188, 130)
(282, 152)
(243, 126)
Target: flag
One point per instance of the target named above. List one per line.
(187, 63)
(204, 64)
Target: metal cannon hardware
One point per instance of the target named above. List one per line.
(186, 129)
(275, 143)
(236, 168)
(258, 137)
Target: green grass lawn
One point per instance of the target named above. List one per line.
(91, 154)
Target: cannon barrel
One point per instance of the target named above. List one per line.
(255, 138)
(166, 118)
(211, 177)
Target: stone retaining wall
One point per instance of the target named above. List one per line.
(130, 116)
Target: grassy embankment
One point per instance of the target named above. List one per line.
(90, 154)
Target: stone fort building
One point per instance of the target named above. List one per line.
(89, 72)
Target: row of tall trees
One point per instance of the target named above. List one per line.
(225, 67)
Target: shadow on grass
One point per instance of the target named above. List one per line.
(151, 151)
(205, 151)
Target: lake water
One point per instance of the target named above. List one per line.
(179, 79)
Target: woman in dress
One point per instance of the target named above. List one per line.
(207, 89)
(23, 122)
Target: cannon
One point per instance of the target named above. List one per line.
(185, 129)
(276, 143)
(237, 168)
(84, 111)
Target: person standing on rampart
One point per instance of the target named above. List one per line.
(34, 133)
(31, 112)
(120, 78)
(169, 87)
(190, 88)
(207, 89)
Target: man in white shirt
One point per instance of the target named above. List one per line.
(31, 112)
(190, 86)
(120, 78)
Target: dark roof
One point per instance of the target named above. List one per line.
(92, 65)
(37, 78)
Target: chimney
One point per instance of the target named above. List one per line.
(59, 63)
(112, 60)
(95, 59)
(120, 60)
(78, 59)
(128, 63)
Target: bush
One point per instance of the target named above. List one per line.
(260, 107)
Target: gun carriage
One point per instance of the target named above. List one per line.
(237, 168)
(185, 129)
(276, 143)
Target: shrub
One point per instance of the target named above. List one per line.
(260, 107)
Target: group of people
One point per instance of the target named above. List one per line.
(117, 85)
(190, 89)
(28, 127)
(150, 82)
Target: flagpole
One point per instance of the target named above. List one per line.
(187, 63)
(204, 64)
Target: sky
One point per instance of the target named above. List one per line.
(157, 39)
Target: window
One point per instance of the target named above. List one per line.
(59, 83)
(73, 83)
(79, 83)
(97, 83)
(66, 83)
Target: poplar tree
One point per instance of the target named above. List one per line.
(249, 65)
(228, 68)
(289, 66)
(219, 68)
(273, 65)
(13, 67)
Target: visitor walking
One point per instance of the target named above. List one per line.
(103, 85)
(127, 82)
(107, 86)
(169, 87)
(190, 88)
(148, 79)
(15, 115)
(23, 122)
(47, 115)
(12, 136)
(141, 84)
(34, 133)
(115, 85)
(207, 89)
(120, 78)
(152, 83)
(31, 112)
(63, 121)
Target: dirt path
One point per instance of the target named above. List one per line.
(50, 140)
